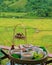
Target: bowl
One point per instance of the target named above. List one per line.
(16, 53)
(26, 55)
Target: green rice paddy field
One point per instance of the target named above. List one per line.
(38, 32)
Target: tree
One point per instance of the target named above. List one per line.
(1, 1)
(41, 7)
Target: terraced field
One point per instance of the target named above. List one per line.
(39, 31)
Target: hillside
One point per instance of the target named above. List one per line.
(40, 8)
(12, 5)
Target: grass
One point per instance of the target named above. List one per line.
(14, 4)
(12, 14)
(39, 31)
(18, 4)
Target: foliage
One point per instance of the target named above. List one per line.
(40, 8)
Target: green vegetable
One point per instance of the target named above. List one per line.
(16, 55)
(44, 49)
(37, 56)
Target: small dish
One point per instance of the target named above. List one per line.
(26, 55)
(27, 45)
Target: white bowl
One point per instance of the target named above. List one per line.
(16, 51)
(26, 55)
